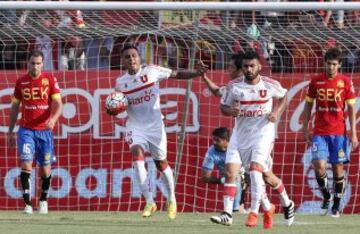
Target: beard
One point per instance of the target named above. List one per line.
(251, 77)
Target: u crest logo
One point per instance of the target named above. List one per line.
(144, 78)
(263, 93)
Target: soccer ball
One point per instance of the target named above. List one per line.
(116, 103)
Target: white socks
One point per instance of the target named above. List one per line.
(169, 179)
(141, 173)
(257, 190)
(229, 194)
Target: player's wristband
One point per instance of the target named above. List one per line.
(222, 180)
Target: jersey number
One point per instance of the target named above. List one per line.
(26, 149)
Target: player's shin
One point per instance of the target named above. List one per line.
(339, 185)
(45, 185)
(257, 190)
(265, 202)
(25, 184)
(284, 198)
(168, 175)
(229, 194)
(237, 198)
(141, 173)
(323, 185)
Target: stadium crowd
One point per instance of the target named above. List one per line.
(80, 51)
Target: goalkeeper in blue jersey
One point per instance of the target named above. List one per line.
(215, 157)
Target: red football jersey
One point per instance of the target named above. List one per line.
(330, 96)
(35, 96)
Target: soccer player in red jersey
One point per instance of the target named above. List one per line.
(41, 106)
(331, 91)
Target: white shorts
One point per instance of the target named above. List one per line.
(153, 142)
(259, 153)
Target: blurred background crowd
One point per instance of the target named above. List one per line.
(79, 40)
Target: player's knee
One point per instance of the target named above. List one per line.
(230, 176)
(161, 165)
(319, 167)
(256, 167)
(137, 153)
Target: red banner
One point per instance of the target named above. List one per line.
(94, 169)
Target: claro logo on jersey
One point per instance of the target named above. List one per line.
(144, 98)
(251, 113)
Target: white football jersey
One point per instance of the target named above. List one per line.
(143, 93)
(255, 102)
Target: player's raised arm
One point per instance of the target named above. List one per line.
(214, 89)
(189, 74)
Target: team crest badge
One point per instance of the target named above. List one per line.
(144, 78)
(341, 153)
(47, 157)
(263, 93)
(45, 82)
(340, 84)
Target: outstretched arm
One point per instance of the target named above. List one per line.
(189, 74)
(214, 89)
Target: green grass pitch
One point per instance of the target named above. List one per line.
(133, 223)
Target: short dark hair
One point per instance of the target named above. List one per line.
(36, 53)
(128, 46)
(237, 58)
(222, 133)
(333, 54)
(250, 54)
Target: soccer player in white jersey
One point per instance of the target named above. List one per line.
(145, 131)
(249, 99)
(235, 70)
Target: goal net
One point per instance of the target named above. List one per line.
(93, 170)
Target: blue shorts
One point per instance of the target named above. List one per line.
(334, 149)
(38, 143)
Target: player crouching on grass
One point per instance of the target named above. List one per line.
(215, 157)
(145, 130)
(41, 106)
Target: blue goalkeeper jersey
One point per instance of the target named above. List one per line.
(214, 158)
